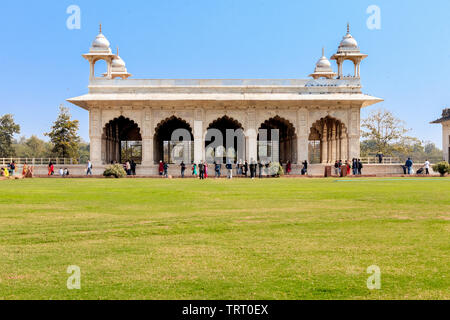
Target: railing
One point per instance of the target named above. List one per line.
(385, 160)
(40, 161)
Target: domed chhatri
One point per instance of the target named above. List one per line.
(323, 68)
(100, 43)
(100, 50)
(118, 68)
(348, 43)
(348, 50)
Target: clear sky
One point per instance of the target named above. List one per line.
(408, 63)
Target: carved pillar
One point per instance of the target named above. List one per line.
(199, 145)
(324, 144)
(95, 137)
(147, 138)
(333, 143)
(302, 136)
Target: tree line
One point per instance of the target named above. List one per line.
(64, 141)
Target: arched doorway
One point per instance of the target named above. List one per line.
(121, 141)
(328, 141)
(173, 141)
(225, 140)
(281, 150)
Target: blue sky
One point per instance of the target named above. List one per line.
(408, 64)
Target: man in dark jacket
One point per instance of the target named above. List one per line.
(201, 170)
(409, 165)
(360, 166)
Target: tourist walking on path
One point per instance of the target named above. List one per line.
(409, 165)
(239, 168)
(161, 167)
(348, 167)
(89, 168)
(166, 169)
(183, 168)
(288, 167)
(205, 167)
(51, 169)
(427, 167)
(194, 170)
(252, 169)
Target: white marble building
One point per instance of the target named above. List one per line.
(445, 122)
(318, 118)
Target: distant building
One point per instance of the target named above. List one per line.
(318, 118)
(445, 121)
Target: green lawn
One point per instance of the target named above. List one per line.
(219, 239)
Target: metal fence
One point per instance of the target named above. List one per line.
(40, 161)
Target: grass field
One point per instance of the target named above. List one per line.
(219, 239)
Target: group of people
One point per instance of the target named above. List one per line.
(251, 169)
(341, 168)
(408, 167)
(11, 169)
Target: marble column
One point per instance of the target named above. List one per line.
(252, 144)
(324, 145)
(333, 144)
(147, 151)
(199, 144)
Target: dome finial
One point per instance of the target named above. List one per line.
(323, 51)
(117, 50)
(100, 28)
(348, 27)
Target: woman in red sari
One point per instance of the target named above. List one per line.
(51, 169)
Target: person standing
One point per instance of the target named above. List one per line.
(360, 166)
(252, 169)
(260, 168)
(229, 170)
(24, 169)
(161, 167)
(288, 167)
(348, 167)
(128, 168)
(380, 157)
(355, 166)
(194, 170)
(305, 168)
(201, 170)
(183, 168)
(409, 165)
(133, 167)
(166, 169)
(245, 168)
(89, 168)
(217, 167)
(205, 166)
(340, 167)
(61, 172)
(427, 167)
(336, 168)
(51, 169)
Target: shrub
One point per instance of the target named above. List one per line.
(276, 169)
(442, 167)
(115, 170)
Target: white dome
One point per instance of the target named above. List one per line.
(349, 42)
(118, 63)
(101, 42)
(323, 63)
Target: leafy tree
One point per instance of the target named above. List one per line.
(7, 130)
(64, 135)
(32, 147)
(385, 132)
